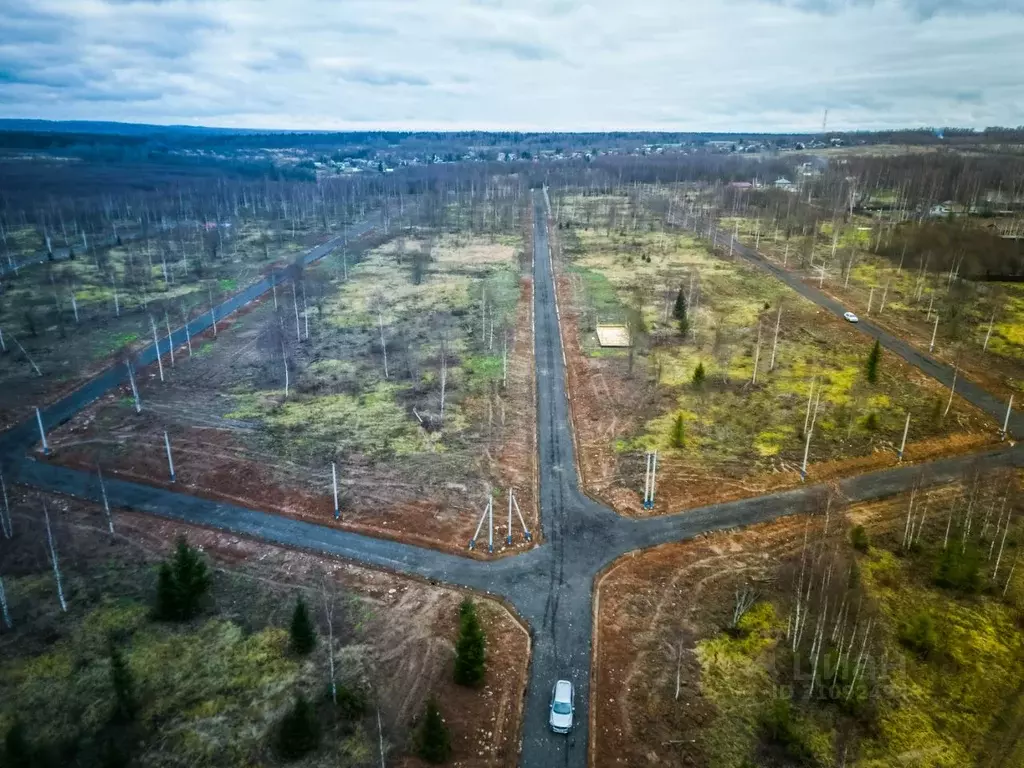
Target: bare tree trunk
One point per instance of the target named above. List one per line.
(757, 353)
(327, 594)
(53, 560)
(383, 343)
(156, 345)
(106, 501)
(5, 515)
(170, 340)
(5, 614)
(775, 342)
(952, 390)
(444, 374)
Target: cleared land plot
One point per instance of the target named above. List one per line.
(680, 681)
(726, 435)
(74, 318)
(406, 469)
(216, 687)
(914, 297)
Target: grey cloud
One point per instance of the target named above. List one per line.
(924, 9)
(435, 63)
(282, 60)
(521, 50)
(380, 77)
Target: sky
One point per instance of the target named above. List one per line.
(582, 65)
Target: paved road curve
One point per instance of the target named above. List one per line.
(970, 391)
(551, 585)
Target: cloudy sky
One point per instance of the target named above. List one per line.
(742, 65)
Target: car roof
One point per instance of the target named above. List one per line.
(563, 687)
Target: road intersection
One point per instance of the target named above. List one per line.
(550, 586)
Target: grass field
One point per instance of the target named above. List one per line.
(73, 317)
(449, 308)
(941, 672)
(729, 435)
(914, 297)
(212, 691)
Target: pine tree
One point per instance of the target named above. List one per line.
(698, 375)
(181, 584)
(470, 648)
(871, 369)
(679, 313)
(192, 578)
(17, 750)
(166, 594)
(121, 679)
(435, 745)
(679, 432)
(299, 731)
(303, 636)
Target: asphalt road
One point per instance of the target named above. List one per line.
(551, 585)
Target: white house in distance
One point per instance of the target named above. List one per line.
(783, 183)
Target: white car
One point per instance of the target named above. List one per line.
(851, 317)
(561, 707)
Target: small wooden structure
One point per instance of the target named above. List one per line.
(613, 335)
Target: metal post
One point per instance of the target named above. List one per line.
(526, 531)
(42, 433)
(170, 461)
(508, 538)
(135, 389)
(490, 524)
(903, 442)
(654, 477)
(1006, 421)
(935, 331)
(647, 481)
(479, 525)
(334, 477)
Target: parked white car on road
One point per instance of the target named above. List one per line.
(851, 317)
(561, 707)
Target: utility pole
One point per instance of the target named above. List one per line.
(903, 442)
(334, 477)
(106, 502)
(170, 461)
(42, 432)
(1006, 421)
(53, 559)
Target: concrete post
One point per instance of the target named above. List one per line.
(170, 460)
(42, 433)
(903, 442)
